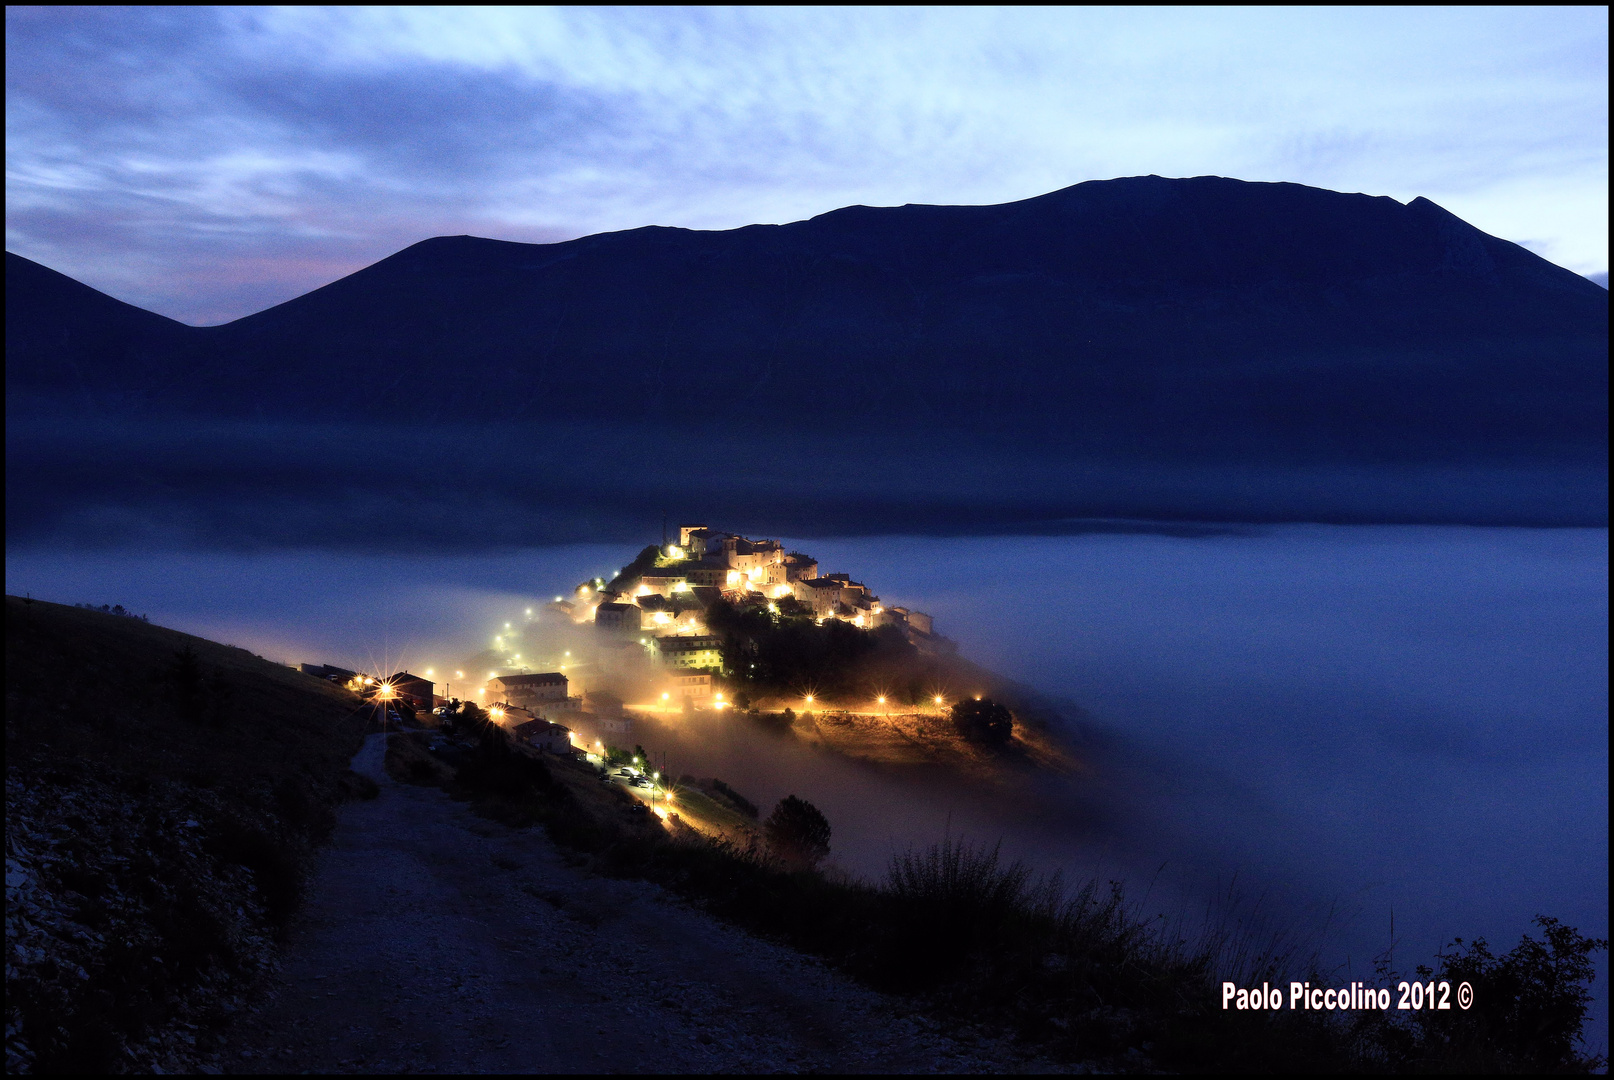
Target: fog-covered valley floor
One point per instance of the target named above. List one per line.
(1365, 720)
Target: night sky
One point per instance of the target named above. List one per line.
(207, 163)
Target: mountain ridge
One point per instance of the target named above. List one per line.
(1197, 321)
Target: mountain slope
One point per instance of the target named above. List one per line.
(65, 339)
(1208, 313)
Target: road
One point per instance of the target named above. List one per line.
(437, 941)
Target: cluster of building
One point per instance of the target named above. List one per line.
(652, 615)
(516, 701)
(661, 608)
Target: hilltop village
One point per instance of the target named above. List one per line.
(642, 641)
(653, 614)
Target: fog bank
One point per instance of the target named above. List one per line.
(113, 482)
(1379, 719)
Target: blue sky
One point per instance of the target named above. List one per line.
(207, 163)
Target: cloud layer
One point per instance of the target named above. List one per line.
(206, 163)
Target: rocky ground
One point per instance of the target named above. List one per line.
(95, 881)
(437, 941)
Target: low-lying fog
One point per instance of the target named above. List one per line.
(1373, 719)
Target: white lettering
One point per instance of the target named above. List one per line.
(1295, 990)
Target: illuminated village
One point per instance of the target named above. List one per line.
(570, 679)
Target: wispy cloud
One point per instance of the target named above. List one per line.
(208, 162)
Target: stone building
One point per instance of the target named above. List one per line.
(530, 691)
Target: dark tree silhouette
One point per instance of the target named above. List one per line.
(984, 721)
(797, 832)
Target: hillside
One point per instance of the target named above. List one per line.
(160, 819)
(1202, 349)
(1122, 306)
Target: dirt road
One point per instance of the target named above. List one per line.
(437, 941)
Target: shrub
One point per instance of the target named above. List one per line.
(984, 721)
(741, 803)
(797, 832)
(1529, 1008)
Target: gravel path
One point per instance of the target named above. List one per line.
(437, 941)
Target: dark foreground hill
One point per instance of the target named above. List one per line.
(1194, 323)
(161, 814)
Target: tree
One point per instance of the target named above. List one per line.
(1529, 1004)
(797, 832)
(984, 721)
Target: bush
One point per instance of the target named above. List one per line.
(741, 803)
(1529, 1008)
(984, 721)
(797, 832)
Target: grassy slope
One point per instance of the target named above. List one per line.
(155, 853)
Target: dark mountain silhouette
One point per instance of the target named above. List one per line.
(1208, 311)
(66, 339)
(1196, 321)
